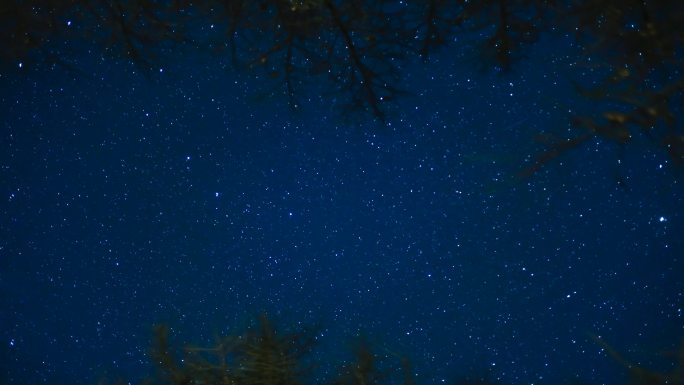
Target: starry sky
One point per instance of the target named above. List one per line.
(196, 197)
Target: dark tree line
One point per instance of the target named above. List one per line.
(264, 355)
(357, 47)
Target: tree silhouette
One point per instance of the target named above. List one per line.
(359, 47)
(265, 356)
(258, 357)
(641, 45)
(640, 375)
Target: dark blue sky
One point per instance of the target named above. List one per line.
(189, 199)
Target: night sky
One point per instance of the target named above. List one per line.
(196, 197)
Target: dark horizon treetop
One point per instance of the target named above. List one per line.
(267, 355)
(357, 48)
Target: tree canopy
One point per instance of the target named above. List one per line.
(264, 355)
(358, 47)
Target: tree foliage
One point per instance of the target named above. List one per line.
(641, 375)
(260, 356)
(265, 356)
(358, 47)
